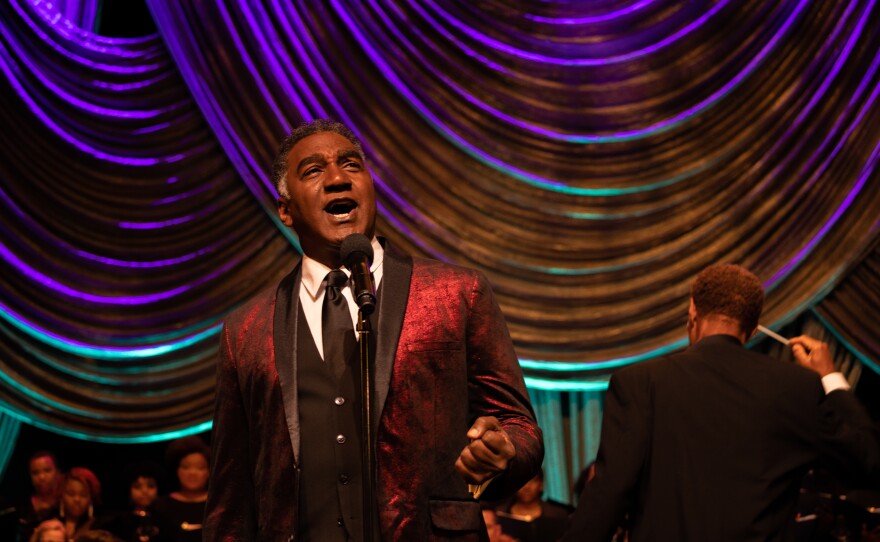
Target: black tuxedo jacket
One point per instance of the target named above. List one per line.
(711, 444)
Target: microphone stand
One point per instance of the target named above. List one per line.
(368, 467)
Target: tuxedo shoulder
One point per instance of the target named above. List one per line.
(655, 367)
(642, 369)
(435, 268)
(747, 360)
(790, 370)
(260, 305)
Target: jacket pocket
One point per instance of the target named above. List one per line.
(433, 346)
(456, 515)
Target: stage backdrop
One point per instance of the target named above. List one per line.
(589, 157)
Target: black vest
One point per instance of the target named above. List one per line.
(330, 454)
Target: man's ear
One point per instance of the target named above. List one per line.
(284, 212)
(692, 315)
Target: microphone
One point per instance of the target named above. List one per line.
(357, 255)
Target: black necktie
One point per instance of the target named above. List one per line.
(336, 329)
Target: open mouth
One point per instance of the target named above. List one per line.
(340, 208)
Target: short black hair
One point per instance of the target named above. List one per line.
(144, 469)
(729, 290)
(304, 130)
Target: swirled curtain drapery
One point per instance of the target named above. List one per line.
(589, 157)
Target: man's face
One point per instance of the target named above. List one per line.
(331, 195)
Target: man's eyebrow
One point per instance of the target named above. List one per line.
(348, 153)
(310, 159)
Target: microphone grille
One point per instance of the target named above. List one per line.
(354, 244)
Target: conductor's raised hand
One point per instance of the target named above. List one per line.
(489, 452)
(812, 354)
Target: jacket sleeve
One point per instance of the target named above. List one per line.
(623, 450)
(496, 388)
(229, 512)
(848, 438)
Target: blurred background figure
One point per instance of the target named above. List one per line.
(135, 522)
(494, 528)
(144, 487)
(80, 495)
(583, 479)
(529, 518)
(527, 504)
(51, 530)
(97, 536)
(582, 484)
(46, 479)
(179, 514)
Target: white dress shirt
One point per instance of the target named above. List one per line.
(311, 292)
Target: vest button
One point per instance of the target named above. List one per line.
(343, 479)
(340, 439)
(339, 401)
(339, 522)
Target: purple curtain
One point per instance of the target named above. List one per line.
(589, 157)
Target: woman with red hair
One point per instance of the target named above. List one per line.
(80, 494)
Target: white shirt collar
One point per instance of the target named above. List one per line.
(313, 271)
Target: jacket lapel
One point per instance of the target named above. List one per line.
(284, 337)
(393, 295)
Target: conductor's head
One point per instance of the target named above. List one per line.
(726, 299)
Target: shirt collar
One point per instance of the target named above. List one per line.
(313, 271)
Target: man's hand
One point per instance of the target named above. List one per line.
(812, 354)
(489, 452)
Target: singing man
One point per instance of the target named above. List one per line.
(451, 406)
